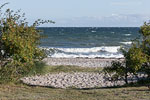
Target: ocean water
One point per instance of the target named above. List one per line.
(88, 42)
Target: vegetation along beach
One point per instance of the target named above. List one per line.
(91, 56)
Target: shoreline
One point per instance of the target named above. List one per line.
(81, 62)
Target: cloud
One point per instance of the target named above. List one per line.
(114, 20)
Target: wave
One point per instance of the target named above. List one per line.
(90, 50)
(126, 43)
(93, 31)
(94, 52)
(127, 34)
(63, 55)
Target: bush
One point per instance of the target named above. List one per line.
(18, 45)
(137, 57)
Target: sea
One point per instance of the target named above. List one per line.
(87, 42)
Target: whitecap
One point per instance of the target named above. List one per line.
(100, 52)
(127, 34)
(93, 31)
(63, 55)
(126, 43)
(112, 49)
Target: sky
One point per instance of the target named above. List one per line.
(85, 13)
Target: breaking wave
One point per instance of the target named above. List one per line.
(94, 52)
(126, 43)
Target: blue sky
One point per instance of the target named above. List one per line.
(85, 13)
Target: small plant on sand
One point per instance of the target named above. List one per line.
(18, 45)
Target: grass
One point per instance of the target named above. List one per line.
(41, 68)
(20, 91)
(23, 92)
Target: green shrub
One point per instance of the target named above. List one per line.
(137, 57)
(18, 45)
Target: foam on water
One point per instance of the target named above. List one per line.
(93, 31)
(63, 55)
(112, 49)
(94, 52)
(126, 43)
(127, 34)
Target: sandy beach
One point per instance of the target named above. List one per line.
(82, 62)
